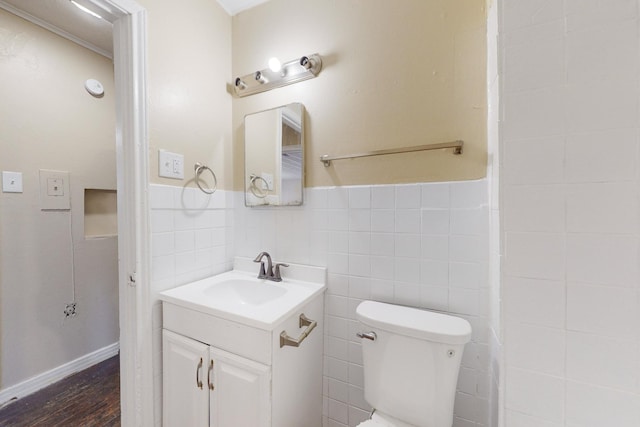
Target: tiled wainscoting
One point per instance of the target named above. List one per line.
(423, 245)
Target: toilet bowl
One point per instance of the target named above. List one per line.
(411, 359)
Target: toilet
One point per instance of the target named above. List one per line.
(411, 359)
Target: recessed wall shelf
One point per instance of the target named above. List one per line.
(456, 145)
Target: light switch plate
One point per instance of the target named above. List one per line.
(54, 190)
(11, 182)
(170, 165)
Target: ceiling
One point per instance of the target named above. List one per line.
(66, 20)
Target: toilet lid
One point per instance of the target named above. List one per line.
(369, 423)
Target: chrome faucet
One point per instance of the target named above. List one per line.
(268, 273)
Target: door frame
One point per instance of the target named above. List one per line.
(134, 261)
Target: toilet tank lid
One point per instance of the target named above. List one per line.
(414, 322)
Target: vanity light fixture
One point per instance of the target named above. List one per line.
(306, 67)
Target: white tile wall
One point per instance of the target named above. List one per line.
(423, 245)
(191, 238)
(569, 188)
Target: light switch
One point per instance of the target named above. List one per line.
(11, 182)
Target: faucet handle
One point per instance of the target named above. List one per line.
(276, 275)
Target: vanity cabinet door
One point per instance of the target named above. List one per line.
(185, 394)
(241, 395)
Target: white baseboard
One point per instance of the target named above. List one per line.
(44, 379)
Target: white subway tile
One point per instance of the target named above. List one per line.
(360, 197)
(592, 406)
(540, 302)
(406, 294)
(467, 248)
(316, 198)
(338, 241)
(470, 221)
(604, 259)
(382, 290)
(338, 263)
(359, 265)
(184, 198)
(535, 394)
(382, 267)
(602, 208)
(609, 311)
(538, 64)
(383, 220)
(407, 245)
(161, 197)
(360, 220)
(602, 156)
(184, 241)
(518, 419)
(601, 105)
(534, 208)
(466, 275)
(535, 348)
(603, 361)
(435, 247)
(161, 221)
(338, 411)
(408, 196)
(435, 221)
(535, 255)
(162, 244)
(534, 161)
(435, 195)
(534, 114)
(434, 273)
(434, 297)
(338, 390)
(584, 14)
(464, 301)
(337, 219)
(383, 197)
(468, 194)
(382, 244)
(359, 287)
(359, 243)
(530, 13)
(407, 221)
(338, 198)
(407, 270)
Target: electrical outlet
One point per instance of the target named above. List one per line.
(70, 310)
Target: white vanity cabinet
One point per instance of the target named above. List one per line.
(220, 372)
(208, 386)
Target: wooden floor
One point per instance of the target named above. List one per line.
(88, 398)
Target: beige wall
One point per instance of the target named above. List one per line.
(188, 67)
(49, 121)
(395, 74)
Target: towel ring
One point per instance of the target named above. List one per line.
(199, 167)
(253, 187)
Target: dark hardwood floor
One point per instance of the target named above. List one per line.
(88, 398)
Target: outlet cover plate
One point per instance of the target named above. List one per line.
(54, 190)
(170, 165)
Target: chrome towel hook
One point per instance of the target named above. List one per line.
(199, 167)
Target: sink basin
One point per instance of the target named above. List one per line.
(245, 292)
(238, 295)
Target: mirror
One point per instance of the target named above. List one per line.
(274, 156)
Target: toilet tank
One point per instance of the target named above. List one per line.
(411, 368)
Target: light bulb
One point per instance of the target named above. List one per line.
(275, 65)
